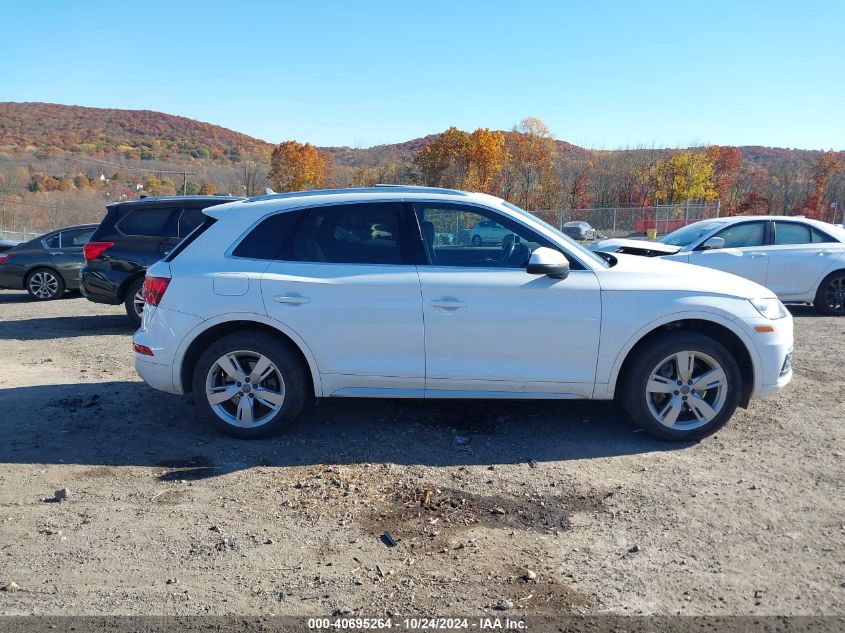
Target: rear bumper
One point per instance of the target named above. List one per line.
(11, 279)
(156, 375)
(163, 331)
(102, 286)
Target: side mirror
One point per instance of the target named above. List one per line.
(712, 244)
(547, 261)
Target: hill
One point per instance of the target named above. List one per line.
(131, 134)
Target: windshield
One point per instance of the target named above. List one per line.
(582, 252)
(689, 234)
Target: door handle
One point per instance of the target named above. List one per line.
(57, 253)
(448, 304)
(823, 253)
(294, 300)
(757, 255)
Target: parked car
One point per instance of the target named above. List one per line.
(7, 244)
(801, 260)
(48, 265)
(133, 235)
(579, 230)
(487, 232)
(274, 301)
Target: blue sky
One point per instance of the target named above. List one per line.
(601, 74)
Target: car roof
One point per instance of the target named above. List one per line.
(380, 193)
(193, 198)
(75, 226)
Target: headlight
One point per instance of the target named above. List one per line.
(770, 308)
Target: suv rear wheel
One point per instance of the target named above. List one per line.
(250, 384)
(683, 386)
(134, 302)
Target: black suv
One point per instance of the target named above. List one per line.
(134, 235)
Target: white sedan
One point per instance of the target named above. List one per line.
(801, 260)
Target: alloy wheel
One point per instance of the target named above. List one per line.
(138, 302)
(687, 390)
(245, 389)
(43, 285)
(834, 295)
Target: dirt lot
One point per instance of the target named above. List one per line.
(554, 507)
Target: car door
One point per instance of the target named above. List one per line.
(67, 258)
(744, 252)
(352, 293)
(492, 328)
(799, 257)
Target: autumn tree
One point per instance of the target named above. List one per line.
(531, 150)
(485, 157)
(444, 161)
(727, 165)
(296, 167)
(207, 189)
(686, 176)
(159, 186)
(827, 165)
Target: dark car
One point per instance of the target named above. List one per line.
(134, 235)
(47, 265)
(579, 230)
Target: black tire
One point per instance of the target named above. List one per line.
(283, 358)
(830, 297)
(45, 284)
(639, 402)
(129, 302)
(476, 240)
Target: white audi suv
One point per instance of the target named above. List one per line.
(280, 299)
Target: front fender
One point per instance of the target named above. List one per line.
(619, 336)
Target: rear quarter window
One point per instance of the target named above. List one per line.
(266, 239)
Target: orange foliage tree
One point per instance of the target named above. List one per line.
(296, 167)
(827, 165)
(531, 153)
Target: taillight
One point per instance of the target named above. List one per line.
(154, 288)
(92, 250)
(3, 258)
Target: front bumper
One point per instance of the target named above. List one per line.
(774, 350)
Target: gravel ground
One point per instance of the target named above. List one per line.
(548, 508)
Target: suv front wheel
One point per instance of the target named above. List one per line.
(250, 384)
(683, 386)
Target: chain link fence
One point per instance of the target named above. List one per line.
(633, 221)
(18, 236)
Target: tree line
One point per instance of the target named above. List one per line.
(527, 166)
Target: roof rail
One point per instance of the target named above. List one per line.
(377, 188)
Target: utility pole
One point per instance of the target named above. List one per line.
(185, 175)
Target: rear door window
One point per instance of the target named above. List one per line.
(152, 222)
(76, 238)
(52, 241)
(349, 234)
(792, 233)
